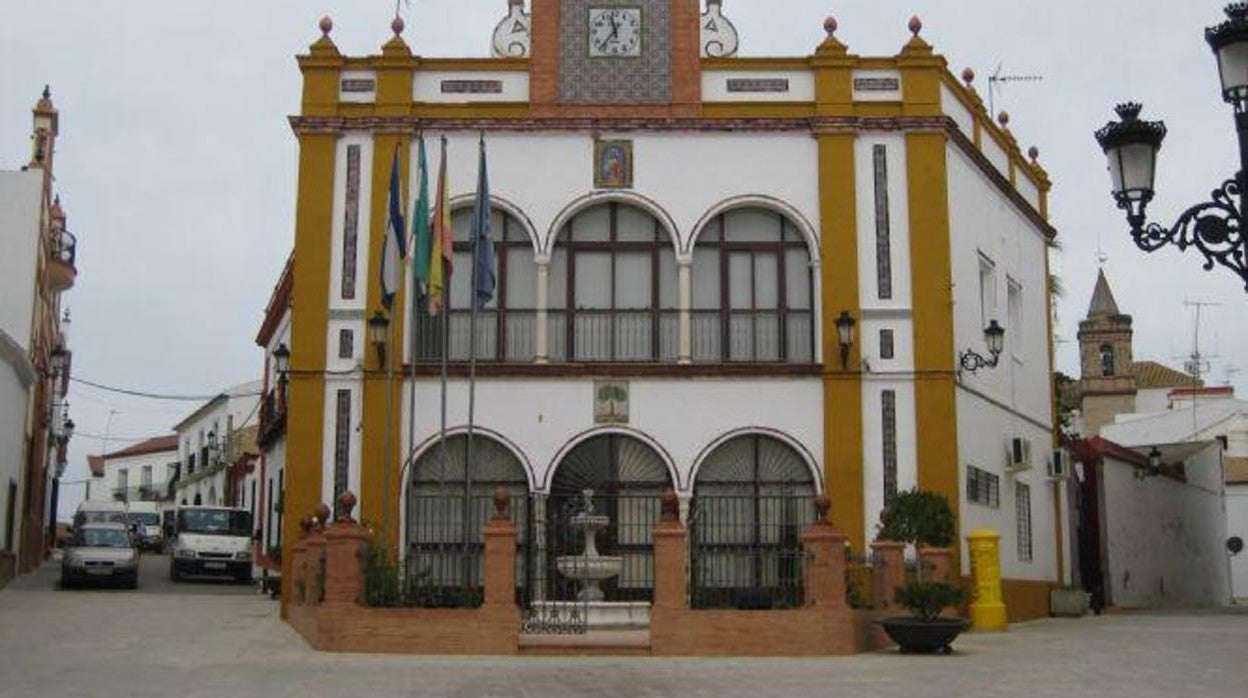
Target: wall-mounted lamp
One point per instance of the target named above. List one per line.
(845, 335)
(994, 336)
(1154, 465)
(378, 326)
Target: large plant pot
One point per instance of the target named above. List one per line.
(917, 636)
(1069, 603)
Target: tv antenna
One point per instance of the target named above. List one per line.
(1197, 364)
(997, 81)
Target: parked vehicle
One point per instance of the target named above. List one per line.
(101, 552)
(145, 518)
(211, 541)
(100, 512)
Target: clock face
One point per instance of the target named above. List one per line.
(615, 32)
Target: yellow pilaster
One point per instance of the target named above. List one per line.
(987, 608)
(931, 275)
(383, 384)
(842, 387)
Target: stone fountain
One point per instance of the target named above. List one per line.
(590, 568)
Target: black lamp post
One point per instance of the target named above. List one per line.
(378, 325)
(1216, 227)
(281, 364)
(994, 336)
(845, 324)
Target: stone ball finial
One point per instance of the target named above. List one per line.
(916, 25)
(346, 504)
(822, 506)
(1004, 119)
(830, 25)
(397, 25)
(306, 524)
(502, 504)
(327, 25)
(1034, 153)
(322, 512)
(968, 76)
(670, 504)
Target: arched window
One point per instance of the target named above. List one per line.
(753, 496)
(752, 290)
(441, 506)
(506, 325)
(626, 476)
(613, 293)
(198, 500)
(1107, 359)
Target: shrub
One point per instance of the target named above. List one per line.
(927, 599)
(918, 517)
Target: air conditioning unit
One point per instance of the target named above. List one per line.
(1059, 466)
(1018, 455)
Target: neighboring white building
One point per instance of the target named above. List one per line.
(37, 265)
(268, 481)
(210, 440)
(139, 473)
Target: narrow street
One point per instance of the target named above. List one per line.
(215, 639)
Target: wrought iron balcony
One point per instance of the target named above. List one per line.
(142, 493)
(272, 416)
(63, 254)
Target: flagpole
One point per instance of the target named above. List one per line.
(413, 313)
(472, 343)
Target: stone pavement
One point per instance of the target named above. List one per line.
(186, 641)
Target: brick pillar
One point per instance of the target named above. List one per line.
(314, 563)
(824, 548)
(500, 553)
(888, 571)
(295, 586)
(671, 551)
(937, 564)
(346, 543)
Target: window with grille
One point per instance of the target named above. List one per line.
(983, 487)
(888, 409)
(1022, 513)
(342, 442)
(346, 344)
(883, 241)
(886, 344)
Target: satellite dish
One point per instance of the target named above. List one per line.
(1235, 544)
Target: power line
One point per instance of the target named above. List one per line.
(154, 396)
(98, 437)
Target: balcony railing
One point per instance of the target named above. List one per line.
(272, 417)
(142, 493)
(63, 253)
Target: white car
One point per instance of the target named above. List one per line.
(101, 552)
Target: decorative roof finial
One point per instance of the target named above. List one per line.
(830, 25)
(327, 25)
(47, 92)
(968, 76)
(397, 25)
(1034, 153)
(916, 25)
(1004, 119)
(1129, 111)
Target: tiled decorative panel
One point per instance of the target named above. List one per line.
(647, 79)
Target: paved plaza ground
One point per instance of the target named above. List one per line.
(204, 639)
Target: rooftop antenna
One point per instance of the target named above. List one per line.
(996, 82)
(1231, 370)
(1197, 364)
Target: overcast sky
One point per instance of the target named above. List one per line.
(177, 167)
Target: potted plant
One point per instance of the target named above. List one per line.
(1069, 602)
(922, 519)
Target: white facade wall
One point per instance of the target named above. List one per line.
(14, 400)
(427, 87)
(1165, 538)
(19, 239)
(1012, 399)
(237, 408)
(715, 86)
(161, 462)
(1237, 525)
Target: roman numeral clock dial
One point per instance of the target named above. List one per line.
(614, 32)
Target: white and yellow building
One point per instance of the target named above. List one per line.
(678, 230)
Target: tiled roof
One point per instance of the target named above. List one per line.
(96, 463)
(1150, 374)
(156, 445)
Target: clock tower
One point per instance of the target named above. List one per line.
(616, 58)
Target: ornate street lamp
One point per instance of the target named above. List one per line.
(845, 335)
(281, 364)
(1216, 227)
(378, 326)
(994, 336)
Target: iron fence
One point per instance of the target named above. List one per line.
(746, 550)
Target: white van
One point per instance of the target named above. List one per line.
(211, 541)
(144, 517)
(100, 512)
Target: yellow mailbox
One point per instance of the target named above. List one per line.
(987, 609)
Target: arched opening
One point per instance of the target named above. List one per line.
(613, 288)
(1107, 359)
(753, 290)
(626, 477)
(444, 564)
(199, 500)
(505, 325)
(752, 498)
